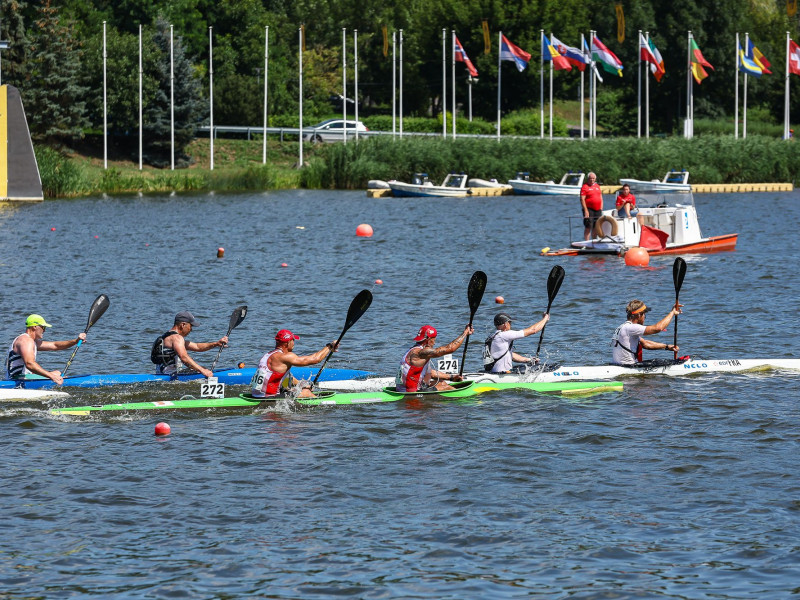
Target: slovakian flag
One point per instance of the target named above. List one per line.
(745, 64)
(647, 54)
(698, 62)
(573, 55)
(461, 56)
(606, 57)
(509, 51)
(757, 57)
(794, 58)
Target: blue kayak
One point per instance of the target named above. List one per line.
(226, 376)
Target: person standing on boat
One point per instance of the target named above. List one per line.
(273, 376)
(591, 204)
(416, 374)
(498, 349)
(628, 341)
(21, 359)
(171, 347)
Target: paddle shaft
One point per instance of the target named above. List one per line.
(477, 285)
(99, 306)
(678, 273)
(554, 281)
(237, 317)
(358, 307)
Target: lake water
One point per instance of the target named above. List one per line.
(673, 488)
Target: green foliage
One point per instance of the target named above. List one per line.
(60, 176)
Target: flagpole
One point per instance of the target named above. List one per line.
(355, 76)
(736, 94)
(499, 73)
(453, 75)
(744, 98)
(688, 125)
(344, 85)
(583, 106)
(647, 90)
(105, 102)
(266, 67)
(394, 84)
(444, 83)
(594, 89)
(551, 93)
(639, 89)
(141, 74)
(591, 85)
(541, 86)
(786, 94)
(400, 104)
(211, 97)
(300, 91)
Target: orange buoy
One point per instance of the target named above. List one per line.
(500, 300)
(284, 265)
(162, 429)
(220, 252)
(379, 281)
(637, 257)
(364, 230)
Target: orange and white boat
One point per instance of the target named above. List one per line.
(660, 228)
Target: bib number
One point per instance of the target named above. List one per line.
(211, 388)
(447, 364)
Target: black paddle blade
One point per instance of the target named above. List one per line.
(237, 316)
(99, 307)
(554, 281)
(477, 285)
(358, 307)
(678, 273)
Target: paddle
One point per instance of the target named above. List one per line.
(358, 307)
(477, 285)
(678, 273)
(99, 306)
(237, 316)
(554, 281)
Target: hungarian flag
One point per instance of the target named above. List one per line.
(794, 58)
(560, 63)
(649, 53)
(698, 62)
(517, 55)
(461, 56)
(606, 57)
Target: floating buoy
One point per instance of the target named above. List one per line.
(52, 229)
(379, 281)
(220, 252)
(284, 265)
(162, 429)
(546, 249)
(241, 365)
(364, 230)
(500, 300)
(637, 257)
(299, 227)
(146, 244)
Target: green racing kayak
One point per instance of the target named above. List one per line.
(464, 389)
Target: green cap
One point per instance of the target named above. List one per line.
(34, 320)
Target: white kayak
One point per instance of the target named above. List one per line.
(598, 372)
(24, 395)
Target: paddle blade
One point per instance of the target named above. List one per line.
(477, 285)
(237, 316)
(554, 281)
(98, 308)
(678, 273)
(358, 307)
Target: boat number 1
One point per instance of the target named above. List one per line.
(447, 364)
(211, 388)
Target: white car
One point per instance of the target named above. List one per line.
(332, 130)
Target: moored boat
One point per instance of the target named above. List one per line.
(570, 185)
(453, 186)
(674, 181)
(464, 389)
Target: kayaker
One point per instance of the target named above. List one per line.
(171, 347)
(628, 341)
(273, 376)
(21, 360)
(591, 204)
(498, 352)
(626, 204)
(416, 374)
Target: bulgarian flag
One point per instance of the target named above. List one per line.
(698, 62)
(606, 57)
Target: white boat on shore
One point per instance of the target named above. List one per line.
(601, 372)
(453, 186)
(570, 185)
(674, 181)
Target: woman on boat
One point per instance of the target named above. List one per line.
(171, 347)
(626, 204)
(21, 359)
(628, 341)
(591, 204)
(416, 374)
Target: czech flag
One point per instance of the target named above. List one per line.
(461, 56)
(509, 51)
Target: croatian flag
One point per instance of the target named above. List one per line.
(461, 56)
(794, 58)
(509, 51)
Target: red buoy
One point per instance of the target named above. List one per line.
(637, 257)
(162, 429)
(500, 300)
(284, 265)
(364, 230)
(379, 281)
(220, 252)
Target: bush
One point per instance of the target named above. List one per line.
(60, 176)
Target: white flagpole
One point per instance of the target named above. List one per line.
(744, 94)
(211, 95)
(266, 75)
(344, 84)
(141, 131)
(639, 89)
(300, 75)
(453, 76)
(786, 94)
(551, 94)
(647, 90)
(105, 104)
(444, 83)
(171, 99)
(583, 107)
(394, 84)
(400, 105)
(499, 74)
(688, 125)
(355, 74)
(593, 90)
(541, 87)
(736, 87)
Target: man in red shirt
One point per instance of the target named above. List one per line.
(591, 203)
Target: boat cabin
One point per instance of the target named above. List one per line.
(421, 179)
(455, 180)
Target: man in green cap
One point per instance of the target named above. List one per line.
(21, 360)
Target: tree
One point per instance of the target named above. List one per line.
(15, 59)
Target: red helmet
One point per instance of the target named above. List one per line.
(425, 332)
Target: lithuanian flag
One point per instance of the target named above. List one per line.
(698, 62)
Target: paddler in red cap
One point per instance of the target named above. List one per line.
(273, 376)
(628, 341)
(416, 374)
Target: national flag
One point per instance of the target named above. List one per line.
(745, 64)
(647, 55)
(606, 57)
(659, 69)
(794, 58)
(757, 57)
(588, 55)
(461, 56)
(560, 63)
(573, 55)
(509, 51)
(698, 62)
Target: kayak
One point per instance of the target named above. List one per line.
(19, 395)
(227, 376)
(557, 373)
(463, 389)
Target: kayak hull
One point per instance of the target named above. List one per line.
(19, 395)
(465, 389)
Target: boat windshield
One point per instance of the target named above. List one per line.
(655, 199)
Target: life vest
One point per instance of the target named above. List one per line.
(409, 376)
(161, 355)
(488, 360)
(265, 381)
(15, 365)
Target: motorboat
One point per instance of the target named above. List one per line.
(674, 181)
(453, 186)
(659, 228)
(570, 185)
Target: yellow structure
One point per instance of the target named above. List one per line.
(19, 172)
